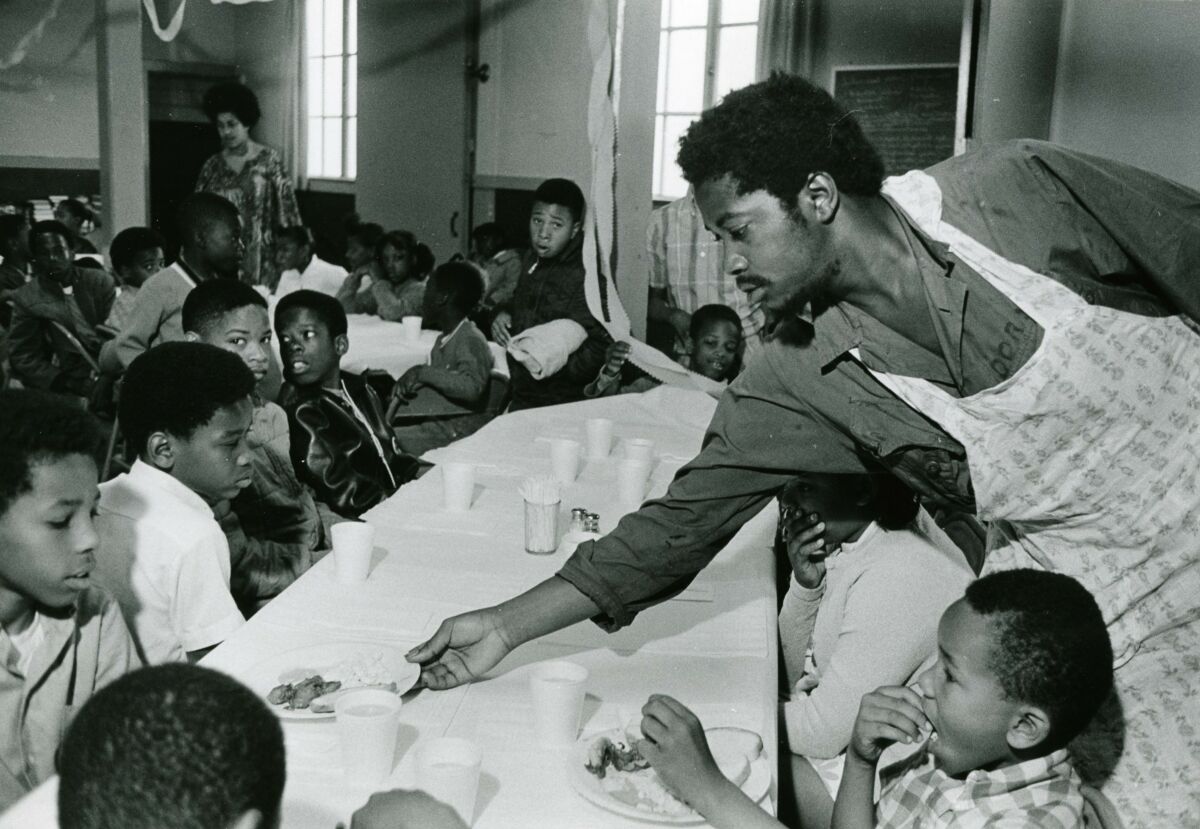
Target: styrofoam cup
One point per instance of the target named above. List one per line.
(448, 770)
(557, 689)
(368, 722)
(353, 542)
(599, 437)
(458, 485)
(632, 477)
(412, 328)
(639, 449)
(564, 456)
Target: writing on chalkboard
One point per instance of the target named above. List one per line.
(907, 112)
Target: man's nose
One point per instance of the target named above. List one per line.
(735, 263)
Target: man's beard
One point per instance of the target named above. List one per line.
(794, 321)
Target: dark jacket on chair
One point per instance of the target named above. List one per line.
(552, 289)
(333, 450)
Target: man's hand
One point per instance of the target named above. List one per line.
(400, 809)
(887, 715)
(462, 649)
(803, 535)
(677, 749)
(500, 328)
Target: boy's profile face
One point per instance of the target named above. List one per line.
(246, 332)
(51, 255)
(220, 244)
(214, 461)
(968, 709)
(551, 227)
(396, 262)
(310, 354)
(714, 351)
(145, 264)
(47, 540)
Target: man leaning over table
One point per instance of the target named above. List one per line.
(1024, 307)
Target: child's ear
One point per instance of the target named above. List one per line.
(341, 344)
(160, 451)
(1029, 728)
(575, 228)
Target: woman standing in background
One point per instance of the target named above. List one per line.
(251, 176)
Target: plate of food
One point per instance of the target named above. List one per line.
(607, 770)
(305, 683)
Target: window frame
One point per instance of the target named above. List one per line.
(712, 33)
(342, 183)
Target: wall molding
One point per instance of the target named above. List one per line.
(49, 162)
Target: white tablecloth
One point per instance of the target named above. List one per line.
(378, 344)
(713, 648)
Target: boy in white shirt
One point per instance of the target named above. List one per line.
(185, 409)
(299, 267)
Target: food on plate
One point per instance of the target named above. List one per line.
(324, 703)
(298, 695)
(627, 777)
(621, 756)
(316, 689)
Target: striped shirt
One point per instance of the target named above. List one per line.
(1042, 793)
(686, 261)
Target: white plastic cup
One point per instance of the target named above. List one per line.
(458, 485)
(353, 542)
(639, 449)
(599, 437)
(412, 328)
(448, 770)
(368, 722)
(632, 477)
(564, 457)
(557, 689)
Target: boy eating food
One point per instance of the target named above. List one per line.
(341, 444)
(63, 638)
(273, 526)
(1024, 662)
(185, 409)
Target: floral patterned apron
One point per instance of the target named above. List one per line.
(1087, 459)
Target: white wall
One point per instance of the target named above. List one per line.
(48, 104)
(1127, 84)
(1015, 69)
(532, 113)
(866, 32)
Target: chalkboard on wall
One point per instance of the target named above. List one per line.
(908, 112)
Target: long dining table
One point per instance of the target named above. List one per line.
(713, 647)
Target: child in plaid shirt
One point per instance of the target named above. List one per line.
(1024, 662)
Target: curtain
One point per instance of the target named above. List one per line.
(782, 37)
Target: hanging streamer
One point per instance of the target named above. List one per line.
(172, 29)
(30, 38)
(599, 240)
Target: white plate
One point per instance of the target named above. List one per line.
(757, 784)
(293, 666)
